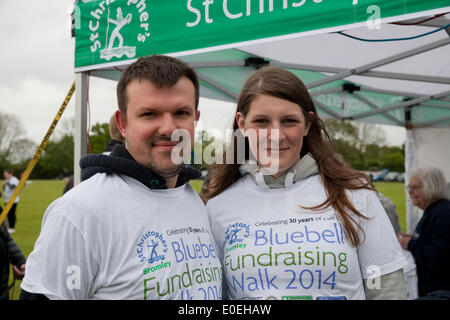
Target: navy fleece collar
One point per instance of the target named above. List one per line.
(120, 161)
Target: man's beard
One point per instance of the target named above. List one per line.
(167, 173)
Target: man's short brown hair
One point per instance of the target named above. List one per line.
(162, 71)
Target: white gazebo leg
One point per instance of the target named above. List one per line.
(80, 140)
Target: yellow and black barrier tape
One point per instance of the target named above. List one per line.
(37, 155)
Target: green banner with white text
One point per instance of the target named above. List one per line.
(112, 32)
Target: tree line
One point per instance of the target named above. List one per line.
(56, 160)
(362, 145)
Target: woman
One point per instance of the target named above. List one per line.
(298, 223)
(430, 244)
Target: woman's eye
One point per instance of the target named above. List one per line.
(260, 121)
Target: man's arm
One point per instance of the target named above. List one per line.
(48, 265)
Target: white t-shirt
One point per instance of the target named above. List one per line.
(113, 238)
(12, 184)
(271, 248)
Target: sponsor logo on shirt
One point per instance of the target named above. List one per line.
(296, 298)
(332, 298)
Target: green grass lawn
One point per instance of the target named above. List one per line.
(396, 192)
(38, 195)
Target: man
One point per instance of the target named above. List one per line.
(134, 228)
(9, 185)
(391, 210)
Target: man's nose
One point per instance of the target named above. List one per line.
(167, 125)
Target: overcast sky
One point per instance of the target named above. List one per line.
(37, 71)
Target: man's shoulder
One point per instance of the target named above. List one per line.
(94, 184)
(96, 191)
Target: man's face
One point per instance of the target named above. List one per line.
(152, 115)
(7, 175)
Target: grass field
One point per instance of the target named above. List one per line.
(396, 192)
(38, 195)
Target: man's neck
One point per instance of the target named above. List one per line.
(171, 182)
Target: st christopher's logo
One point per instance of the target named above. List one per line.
(123, 24)
(151, 247)
(237, 232)
(119, 50)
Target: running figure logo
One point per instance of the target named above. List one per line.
(236, 232)
(153, 255)
(151, 247)
(120, 50)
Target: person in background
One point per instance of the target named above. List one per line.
(115, 137)
(430, 243)
(294, 214)
(9, 185)
(391, 210)
(10, 254)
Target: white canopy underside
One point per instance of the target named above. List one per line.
(403, 83)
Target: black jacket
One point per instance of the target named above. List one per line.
(430, 247)
(9, 254)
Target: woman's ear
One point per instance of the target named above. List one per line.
(240, 120)
(309, 122)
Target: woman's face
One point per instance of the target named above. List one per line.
(275, 129)
(415, 189)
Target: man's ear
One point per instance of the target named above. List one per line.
(121, 122)
(198, 115)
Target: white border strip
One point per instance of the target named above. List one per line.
(271, 39)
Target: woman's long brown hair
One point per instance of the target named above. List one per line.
(336, 174)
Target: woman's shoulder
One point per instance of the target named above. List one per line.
(231, 192)
(444, 203)
(441, 207)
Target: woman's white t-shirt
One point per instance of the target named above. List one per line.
(272, 248)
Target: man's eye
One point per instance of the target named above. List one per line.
(149, 114)
(183, 113)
